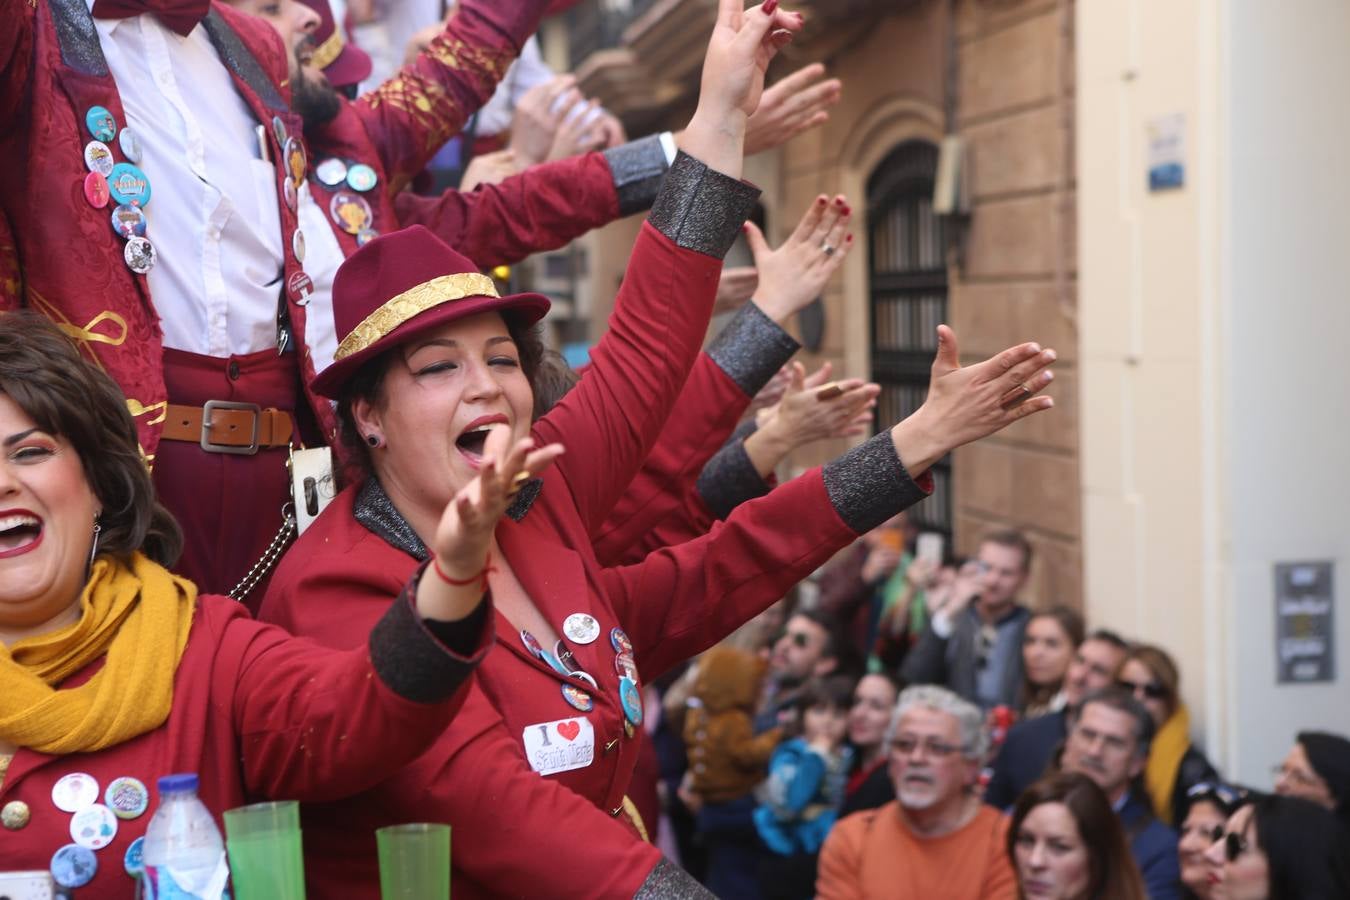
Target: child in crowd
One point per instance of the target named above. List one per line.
(807, 774)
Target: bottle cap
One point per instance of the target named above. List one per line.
(171, 784)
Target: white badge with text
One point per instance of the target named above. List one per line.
(561, 746)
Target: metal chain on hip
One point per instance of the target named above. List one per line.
(268, 562)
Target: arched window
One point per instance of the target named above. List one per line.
(907, 273)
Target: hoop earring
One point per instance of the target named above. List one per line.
(93, 550)
(374, 440)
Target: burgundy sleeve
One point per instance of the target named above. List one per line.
(317, 724)
(611, 420)
(427, 102)
(16, 60)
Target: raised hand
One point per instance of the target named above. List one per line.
(810, 412)
(966, 404)
(735, 286)
(798, 103)
(538, 117)
(795, 274)
(464, 534)
(743, 43)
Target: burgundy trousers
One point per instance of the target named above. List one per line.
(229, 506)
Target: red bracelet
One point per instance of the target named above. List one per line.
(481, 578)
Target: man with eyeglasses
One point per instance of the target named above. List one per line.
(1108, 741)
(973, 642)
(936, 839)
(809, 647)
(1031, 745)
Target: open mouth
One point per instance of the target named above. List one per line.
(20, 532)
(472, 442)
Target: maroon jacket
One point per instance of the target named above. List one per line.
(257, 713)
(515, 829)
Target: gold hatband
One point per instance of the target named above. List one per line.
(328, 51)
(414, 301)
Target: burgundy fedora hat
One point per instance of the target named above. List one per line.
(342, 61)
(400, 285)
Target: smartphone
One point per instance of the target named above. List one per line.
(929, 547)
(829, 391)
(26, 885)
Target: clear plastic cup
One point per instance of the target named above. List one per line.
(267, 861)
(414, 861)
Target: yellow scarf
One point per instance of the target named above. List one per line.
(1164, 760)
(139, 617)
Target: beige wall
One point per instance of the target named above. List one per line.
(1150, 267)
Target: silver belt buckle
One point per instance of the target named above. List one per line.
(209, 446)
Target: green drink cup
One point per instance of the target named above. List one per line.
(266, 859)
(414, 862)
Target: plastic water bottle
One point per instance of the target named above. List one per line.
(184, 853)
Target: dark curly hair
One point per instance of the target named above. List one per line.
(41, 370)
(367, 381)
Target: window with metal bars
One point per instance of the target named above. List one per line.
(907, 273)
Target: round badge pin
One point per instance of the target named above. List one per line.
(577, 698)
(581, 628)
(532, 645)
(361, 177)
(15, 815)
(139, 255)
(289, 193)
(296, 163)
(625, 665)
(631, 699)
(74, 866)
(98, 158)
(565, 656)
(133, 861)
(130, 142)
(93, 827)
(74, 792)
(128, 221)
(365, 236)
(279, 131)
(331, 172)
(128, 184)
(127, 797)
(619, 641)
(554, 664)
(298, 245)
(299, 287)
(101, 124)
(350, 211)
(96, 190)
(586, 677)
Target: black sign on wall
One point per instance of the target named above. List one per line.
(1305, 636)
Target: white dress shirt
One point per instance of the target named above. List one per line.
(212, 215)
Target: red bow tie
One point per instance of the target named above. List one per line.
(180, 15)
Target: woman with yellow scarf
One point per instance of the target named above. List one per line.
(114, 672)
(1175, 765)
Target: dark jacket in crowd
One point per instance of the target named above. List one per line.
(1154, 847)
(1027, 753)
(954, 662)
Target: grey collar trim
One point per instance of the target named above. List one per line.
(377, 513)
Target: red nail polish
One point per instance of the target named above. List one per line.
(820, 201)
(849, 239)
(839, 202)
(770, 6)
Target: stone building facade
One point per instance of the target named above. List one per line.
(998, 75)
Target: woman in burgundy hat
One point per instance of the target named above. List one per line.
(533, 774)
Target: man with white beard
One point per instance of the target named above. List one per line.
(937, 839)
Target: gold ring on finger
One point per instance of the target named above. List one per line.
(517, 483)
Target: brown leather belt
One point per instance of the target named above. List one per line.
(225, 426)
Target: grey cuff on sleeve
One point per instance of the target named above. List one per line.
(667, 881)
(743, 430)
(700, 208)
(410, 660)
(638, 168)
(869, 484)
(729, 479)
(752, 348)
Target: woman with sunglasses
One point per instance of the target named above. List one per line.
(1066, 843)
(1209, 806)
(1175, 765)
(1281, 848)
